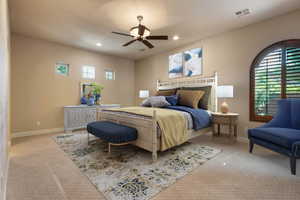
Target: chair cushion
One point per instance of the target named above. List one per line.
(284, 137)
(112, 132)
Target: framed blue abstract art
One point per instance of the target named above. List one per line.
(188, 63)
(176, 65)
(192, 62)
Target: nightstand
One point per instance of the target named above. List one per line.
(229, 119)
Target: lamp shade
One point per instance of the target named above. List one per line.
(144, 94)
(225, 91)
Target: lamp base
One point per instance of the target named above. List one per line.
(224, 108)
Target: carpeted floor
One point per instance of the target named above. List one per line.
(40, 170)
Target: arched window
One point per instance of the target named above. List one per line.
(275, 74)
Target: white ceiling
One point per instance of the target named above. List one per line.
(83, 23)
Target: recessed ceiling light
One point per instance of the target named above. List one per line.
(175, 37)
(99, 44)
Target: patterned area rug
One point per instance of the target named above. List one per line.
(128, 172)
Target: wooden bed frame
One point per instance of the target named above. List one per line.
(148, 137)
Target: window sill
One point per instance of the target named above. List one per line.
(260, 118)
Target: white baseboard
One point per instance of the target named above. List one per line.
(37, 132)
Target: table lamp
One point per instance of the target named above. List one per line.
(144, 94)
(225, 91)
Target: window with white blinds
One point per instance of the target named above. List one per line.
(268, 83)
(275, 74)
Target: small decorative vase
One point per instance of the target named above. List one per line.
(83, 100)
(97, 99)
(91, 101)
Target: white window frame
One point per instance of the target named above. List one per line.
(110, 74)
(88, 72)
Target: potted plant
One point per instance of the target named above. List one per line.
(97, 89)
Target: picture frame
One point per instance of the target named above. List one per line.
(193, 60)
(176, 65)
(62, 69)
(186, 64)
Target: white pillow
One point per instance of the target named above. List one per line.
(156, 101)
(159, 101)
(146, 102)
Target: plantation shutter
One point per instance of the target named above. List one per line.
(293, 72)
(268, 83)
(275, 74)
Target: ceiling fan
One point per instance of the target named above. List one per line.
(142, 33)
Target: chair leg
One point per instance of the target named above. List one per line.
(293, 165)
(251, 145)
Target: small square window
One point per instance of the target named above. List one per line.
(109, 75)
(88, 72)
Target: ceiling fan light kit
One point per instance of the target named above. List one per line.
(141, 33)
(135, 31)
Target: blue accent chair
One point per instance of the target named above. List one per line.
(282, 133)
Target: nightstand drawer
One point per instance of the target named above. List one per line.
(224, 120)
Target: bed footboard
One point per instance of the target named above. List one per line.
(146, 126)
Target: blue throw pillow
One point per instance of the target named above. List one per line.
(172, 100)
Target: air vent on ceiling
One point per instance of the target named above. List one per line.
(242, 13)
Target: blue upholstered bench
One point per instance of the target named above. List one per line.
(114, 134)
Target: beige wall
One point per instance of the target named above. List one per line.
(230, 54)
(4, 96)
(38, 94)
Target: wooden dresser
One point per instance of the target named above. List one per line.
(77, 117)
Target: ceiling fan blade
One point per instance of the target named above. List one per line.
(157, 37)
(141, 30)
(124, 34)
(148, 44)
(128, 43)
